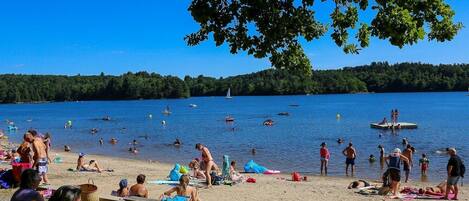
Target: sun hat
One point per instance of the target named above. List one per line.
(397, 150)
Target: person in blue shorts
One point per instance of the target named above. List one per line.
(350, 153)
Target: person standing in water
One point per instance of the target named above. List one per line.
(408, 164)
(396, 115)
(350, 153)
(381, 155)
(325, 155)
(209, 163)
(394, 169)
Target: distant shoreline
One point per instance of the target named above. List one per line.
(354, 93)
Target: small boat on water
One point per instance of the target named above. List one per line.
(398, 125)
(192, 105)
(283, 114)
(228, 94)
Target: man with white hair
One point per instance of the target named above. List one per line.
(454, 173)
(394, 169)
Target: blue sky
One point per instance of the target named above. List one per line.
(117, 36)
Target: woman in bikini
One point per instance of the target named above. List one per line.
(209, 163)
(183, 190)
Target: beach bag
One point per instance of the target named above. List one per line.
(18, 168)
(89, 191)
(6, 179)
(216, 180)
(295, 176)
(175, 173)
(226, 168)
(184, 170)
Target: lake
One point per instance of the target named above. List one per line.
(291, 144)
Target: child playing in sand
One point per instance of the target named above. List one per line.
(196, 171)
(424, 163)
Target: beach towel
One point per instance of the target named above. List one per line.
(226, 168)
(175, 198)
(252, 167)
(175, 173)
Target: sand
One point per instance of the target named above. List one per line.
(268, 187)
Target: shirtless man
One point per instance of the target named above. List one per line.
(40, 154)
(139, 189)
(350, 155)
(408, 165)
(209, 163)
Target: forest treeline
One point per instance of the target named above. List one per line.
(376, 77)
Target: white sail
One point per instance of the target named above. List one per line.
(228, 93)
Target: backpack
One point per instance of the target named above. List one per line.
(216, 180)
(295, 176)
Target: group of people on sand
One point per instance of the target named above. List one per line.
(35, 151)
(394, 160)
(182, 190)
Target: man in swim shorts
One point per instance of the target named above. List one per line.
(408, 165)
(350, 154)
(40, 155)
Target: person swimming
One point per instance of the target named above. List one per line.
(340, 140)
(177, 142)
(253, 151)
(372, 158)
(113, 141)
(94, 131)
(101, 141)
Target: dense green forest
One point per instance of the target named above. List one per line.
(376, 77)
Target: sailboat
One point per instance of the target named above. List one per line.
(166, 111)
(228, 94)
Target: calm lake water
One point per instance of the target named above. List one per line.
(292, 144)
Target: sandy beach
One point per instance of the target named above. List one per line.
(268, 187)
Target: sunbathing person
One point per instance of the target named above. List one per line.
(139, 189)
(123, 188)
(358, 184)
(196, 171)
(439, 189)
(91, 166)
(67, 148)
(183, 190)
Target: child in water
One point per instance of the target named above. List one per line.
(424, 163)
(372, 158)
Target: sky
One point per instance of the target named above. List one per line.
(116, 36)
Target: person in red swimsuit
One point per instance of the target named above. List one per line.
(324, 154)
(209, 163)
